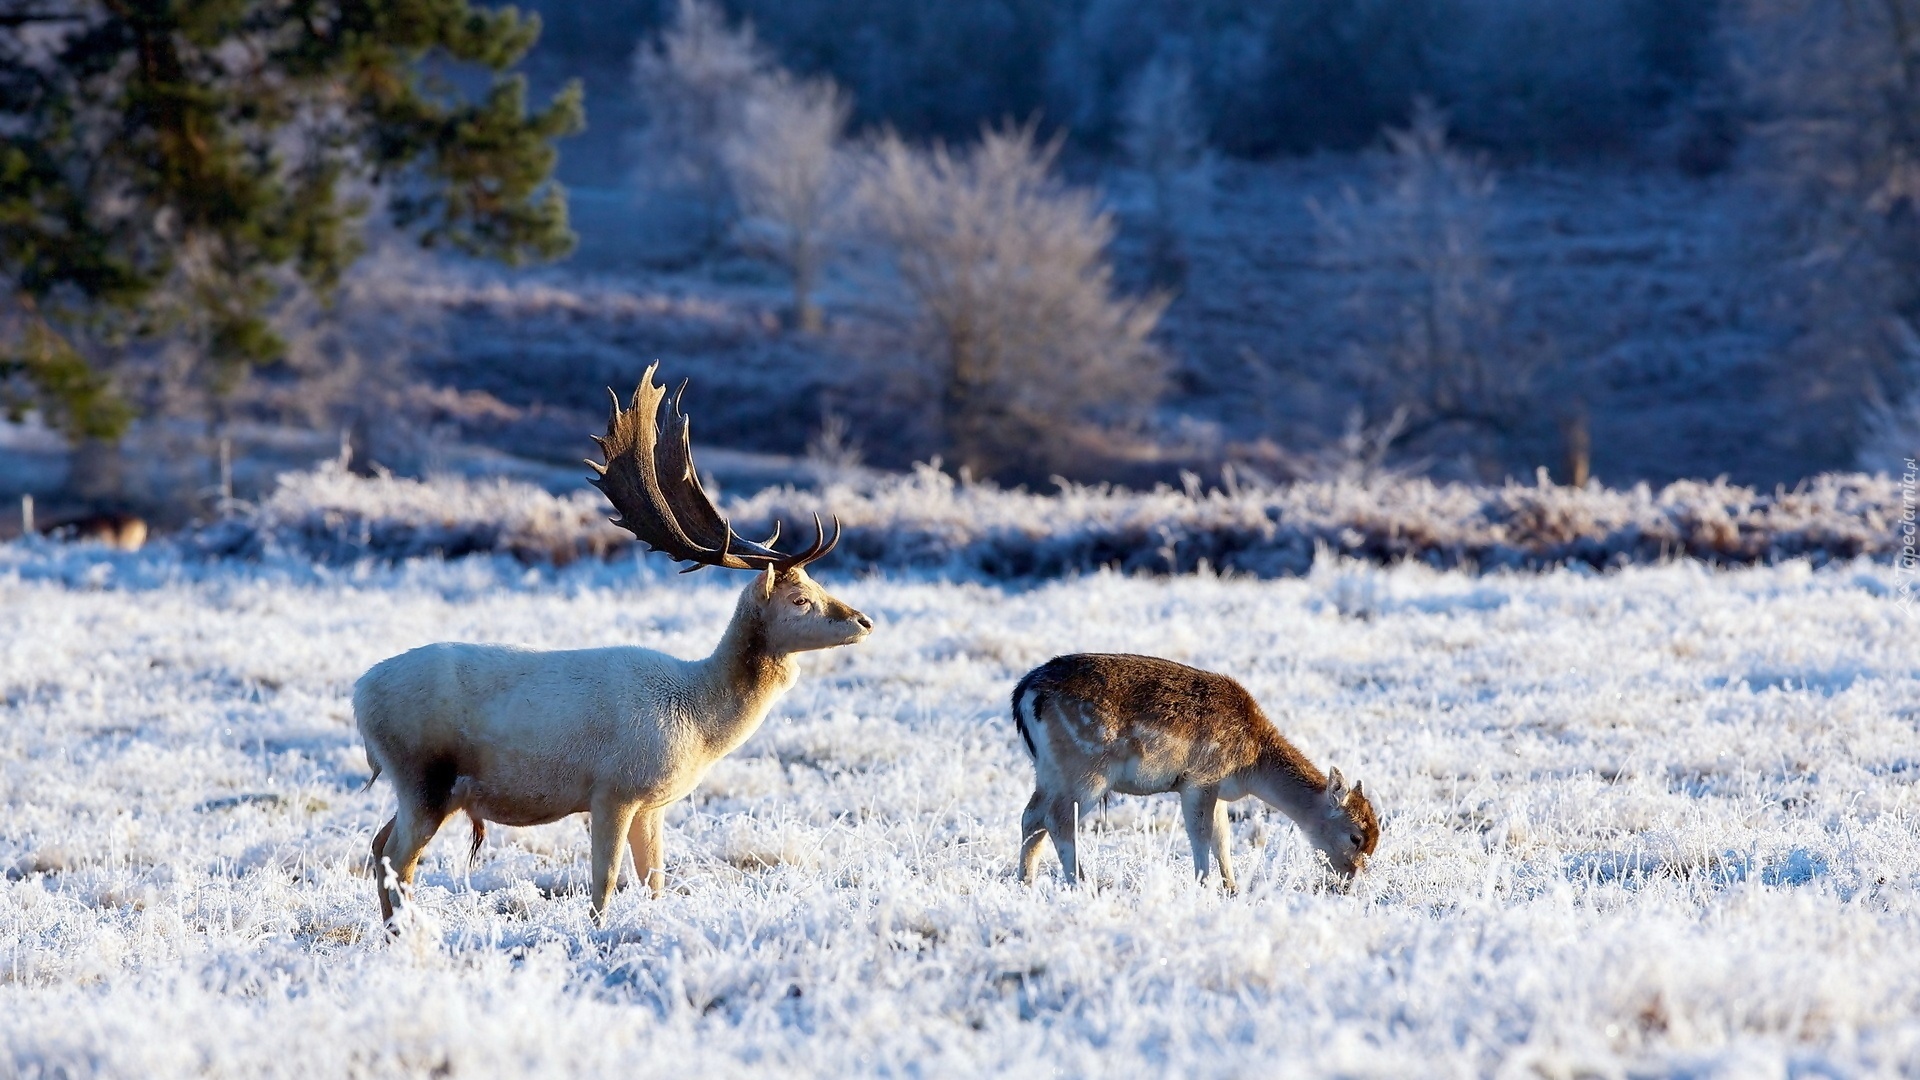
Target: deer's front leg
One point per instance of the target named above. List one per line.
(1222, 836)
(1200, 807)
(649, 856)
(610, 824)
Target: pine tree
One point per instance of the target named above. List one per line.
(175, 170)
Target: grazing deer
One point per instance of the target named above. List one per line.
(1139, 725)
(523, 737)
(127, 532)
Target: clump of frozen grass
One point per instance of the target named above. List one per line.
(929, 521)
(333, 516)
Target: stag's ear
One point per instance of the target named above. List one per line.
(767, 580)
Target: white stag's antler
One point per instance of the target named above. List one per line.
(652, 482)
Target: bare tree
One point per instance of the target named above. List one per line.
(1430, 333)
(1009, 274)
(789, 175)
(1833, 87)
(348, 361)
(1889, 433)
(1165, 138)
(694, 81)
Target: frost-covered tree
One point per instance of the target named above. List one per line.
(1430, 334)
(1889, 435)
(1833, 89)
(789, 173)
(1164, 137)
(694, 81)
(1008, 270)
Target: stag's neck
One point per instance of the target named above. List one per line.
(744, 678)
(1284, 779)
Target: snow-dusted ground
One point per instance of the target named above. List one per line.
(1660, 821)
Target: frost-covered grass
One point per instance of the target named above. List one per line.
(1657, 821)
(928, 521)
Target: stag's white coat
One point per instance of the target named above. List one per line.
(524, 737)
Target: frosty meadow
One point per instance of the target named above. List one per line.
(1187, 398)
(1654, 821)
(1659, 821)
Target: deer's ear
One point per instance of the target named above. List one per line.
(767, 580)
(1336, 784)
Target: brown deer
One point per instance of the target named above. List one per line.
(524, 737)
(1139, 725)
(116, 529)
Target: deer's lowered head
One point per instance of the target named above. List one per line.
(1339, 821)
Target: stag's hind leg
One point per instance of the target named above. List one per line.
(395, 861)
(425, 802)
(380, 869)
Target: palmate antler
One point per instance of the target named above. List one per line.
(651, 481)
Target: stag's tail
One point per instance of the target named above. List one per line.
(479, 837)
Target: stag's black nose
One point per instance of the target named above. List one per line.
(864, 622)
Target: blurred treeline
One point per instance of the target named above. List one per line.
(1524, 79)
(978, 212)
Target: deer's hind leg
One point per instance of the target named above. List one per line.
(1062, 816)
(1033, 832)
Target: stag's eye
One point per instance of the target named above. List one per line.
(800, 601)
(1356, 840)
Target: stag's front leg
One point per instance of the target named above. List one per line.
(610, 824)
(649, 856)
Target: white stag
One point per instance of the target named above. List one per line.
(524, 737)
